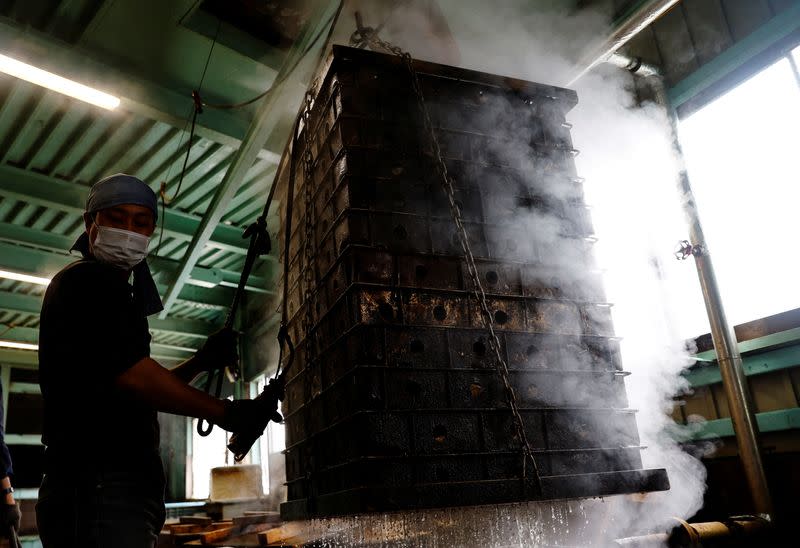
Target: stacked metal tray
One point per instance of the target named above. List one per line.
(393, 400)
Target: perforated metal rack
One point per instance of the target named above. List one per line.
(401, 406)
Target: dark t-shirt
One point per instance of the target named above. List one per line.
(90, 333)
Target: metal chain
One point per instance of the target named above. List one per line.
(477, 287)
(308, 248)
(308, 263)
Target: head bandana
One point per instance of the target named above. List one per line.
(118, 190)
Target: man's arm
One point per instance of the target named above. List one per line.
(187, 370)
(219, 350)
(167, 392)
(5, 483)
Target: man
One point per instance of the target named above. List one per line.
(10, 516)
(104, 484)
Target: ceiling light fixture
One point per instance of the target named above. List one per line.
(24, 277)
(19, 345)
(57, 83)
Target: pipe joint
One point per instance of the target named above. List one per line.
(685, 249)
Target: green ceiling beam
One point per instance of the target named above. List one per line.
(774, 30)
(31, 335)
(138, 95)
(20, 303)
(757, 343)
(201, 276)
(267, 117)
(32, 304)
(60, 195)
(36, 262)
(24, 358)
(770, 421)
(754, 364)
(19, 334)
(29, 359)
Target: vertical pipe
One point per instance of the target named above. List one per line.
(734, 381)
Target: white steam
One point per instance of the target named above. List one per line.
(627, 161)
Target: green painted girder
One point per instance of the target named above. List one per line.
(32, 304)
(754, 364)
(202, 276)
(31, 335)
(41, 263)
(267, 116)
(770, 421)
(55, 193)
(757, 343)
(20, 302)
(19, 334)
(777, 28)
(27, 359)
(138, 95)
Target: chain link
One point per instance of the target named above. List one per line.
(308, 247)
(487, 317)
(308, 262)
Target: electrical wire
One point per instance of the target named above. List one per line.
(199, 103)
(276, 83)
(198, 108)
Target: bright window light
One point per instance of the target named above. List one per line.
(18, 345)
(742, 157)
(57, 83)
(38, 280)
(263, 445)
(207, 452)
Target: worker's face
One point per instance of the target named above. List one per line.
(135, 218)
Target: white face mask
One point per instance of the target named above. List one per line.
(121, 248)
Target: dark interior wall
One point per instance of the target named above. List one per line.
(727, 493)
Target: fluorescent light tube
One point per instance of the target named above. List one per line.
(24, 277)
(57, 83)
(18, 345)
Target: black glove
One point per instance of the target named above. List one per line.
(257, 417)
(10, 517)
(250, 416)
(221, 349)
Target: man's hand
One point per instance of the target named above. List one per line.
(10, 517)
(221, 349)
(248, 416)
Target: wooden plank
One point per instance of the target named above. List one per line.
(182, 538)
(281, 534)
(196, 520)
(210, 537)
(257, 518)
(177, 528)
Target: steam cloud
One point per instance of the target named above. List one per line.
(627, 161)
